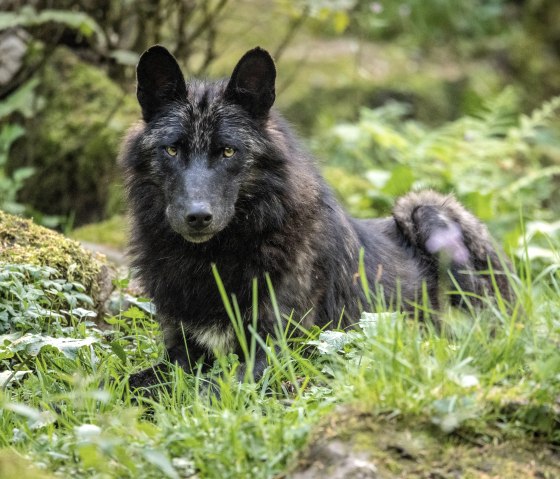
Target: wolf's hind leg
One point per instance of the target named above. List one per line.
(434, 223)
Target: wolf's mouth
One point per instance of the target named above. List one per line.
(198, 237)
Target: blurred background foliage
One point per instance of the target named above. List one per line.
(457, 95)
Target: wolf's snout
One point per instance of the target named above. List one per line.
(199, 216)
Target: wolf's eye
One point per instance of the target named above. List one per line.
(228, 152)
(171, 150)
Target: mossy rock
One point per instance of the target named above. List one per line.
(354, 443)
(72, 141)
(23, 242)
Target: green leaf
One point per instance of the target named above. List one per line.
(451, 412)
(32, 344)
(161, 460)
(21, 174)
(118, 350)
(37, 419)
(29, 17)
(341, 20)
(330, 342)
(141, 303)
(400, 182)
(7, 377)
(370, 322)
(125, 57)
(378, 178)
(22, 100)
(480, 204)
(83, 313)
(134, 313)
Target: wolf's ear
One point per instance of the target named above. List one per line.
(252, 82)
(160, 81)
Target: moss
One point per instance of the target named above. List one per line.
(73, 139)
(14, 465)
(418, 450)
(22, 241)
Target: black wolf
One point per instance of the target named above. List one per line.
(215, 176)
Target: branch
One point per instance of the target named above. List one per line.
(293, 28)
(209, 18)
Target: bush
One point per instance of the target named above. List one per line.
(72, 140)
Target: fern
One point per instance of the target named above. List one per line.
(496, 160)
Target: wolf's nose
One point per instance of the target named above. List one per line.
(199, 216)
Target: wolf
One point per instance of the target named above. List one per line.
(215, 176)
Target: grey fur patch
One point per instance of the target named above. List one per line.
(475, 234)
(215, 339)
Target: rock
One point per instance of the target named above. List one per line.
(13, 47)
(336, 460)
(22, 241)
(354, 443)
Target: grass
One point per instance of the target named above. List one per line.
(488, 379)
(111, 232)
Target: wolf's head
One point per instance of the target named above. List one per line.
(201, 139)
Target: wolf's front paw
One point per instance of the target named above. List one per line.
(147, 378)
(448, 239)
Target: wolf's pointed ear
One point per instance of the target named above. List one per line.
(252, 82)
(160, 81)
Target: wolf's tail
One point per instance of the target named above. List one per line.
(434, 223)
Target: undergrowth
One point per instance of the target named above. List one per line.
(66, 405)
(497, 161)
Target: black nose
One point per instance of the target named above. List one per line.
(199, 216)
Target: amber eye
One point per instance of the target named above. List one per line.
(171, 150)
(228, 152)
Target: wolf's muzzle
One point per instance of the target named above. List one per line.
(199, 216)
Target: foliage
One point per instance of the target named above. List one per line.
(439, 83)
(115, 33)
(497, 161)
(432, 22)
(15, 110)
(33, 297)
(23, 242)
(11, 184)
(461, 52)
(486, 376)
(27, 16)
(82, 116)
(427, 22)
(41, 309)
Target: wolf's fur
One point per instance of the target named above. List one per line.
(270, 212)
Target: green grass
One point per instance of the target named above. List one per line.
(111, 232)
(492, 376)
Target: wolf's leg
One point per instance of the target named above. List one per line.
(435, 223)
(185, 355)
(147, 378)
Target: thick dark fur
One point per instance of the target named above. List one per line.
(270, 212)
